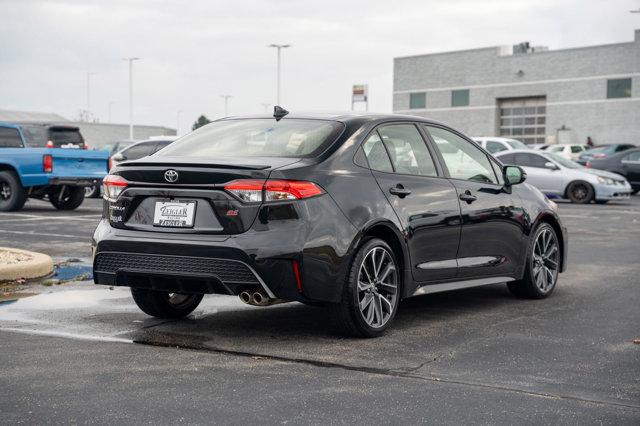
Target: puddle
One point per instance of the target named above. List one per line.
(73, 272)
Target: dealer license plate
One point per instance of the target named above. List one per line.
(174, 214)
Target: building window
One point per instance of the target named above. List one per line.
(619, 88)
(417, 100)
(523, 119)
(459, 98)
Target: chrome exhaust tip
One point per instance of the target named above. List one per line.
(259, 299)
(245, 297)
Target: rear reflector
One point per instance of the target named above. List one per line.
(251, 190)
(47, 163)
(296, 274)
(113, 185)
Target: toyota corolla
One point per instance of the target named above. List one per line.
(352, 212)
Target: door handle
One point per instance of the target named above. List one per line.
(400, 191)
(468, 197)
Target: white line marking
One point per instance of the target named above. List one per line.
(66, 335)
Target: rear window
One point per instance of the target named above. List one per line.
(63, 136)
(257, 138)
(10, 138)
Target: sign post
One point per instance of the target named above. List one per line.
(360, 93)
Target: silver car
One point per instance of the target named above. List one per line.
(559, 177)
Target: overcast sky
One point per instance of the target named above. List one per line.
(194, 51)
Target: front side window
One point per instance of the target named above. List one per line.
(493, 147)
(10, 138)
(619, 88)
(417, 100)
(530, 160)
(138, 151)
(459, 98)
(257, 137)
(463, 159)
(409, 153)
(376, 154)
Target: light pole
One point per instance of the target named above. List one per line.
(89, 74)
(130, 94)
(178, 122)
(110, 105)
(279, 47)
(226, 103)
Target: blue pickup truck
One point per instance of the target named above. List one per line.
(46, 170)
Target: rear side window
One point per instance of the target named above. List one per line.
(257, 137)
(10, 138)
(408, 152)
(634, 156)
(530, 160)
(161, 145)
(35, 136)
(139, 151)
(377, 154)
(65, 136)
(507, 158)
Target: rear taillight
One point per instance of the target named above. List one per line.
(109, 164)
(49, 144)
(255, 190)
(588, 164)
(47, 163)
(84, 146)
(112, 186)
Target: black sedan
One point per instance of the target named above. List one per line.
(352, 212)
(625, 163)
(602, 151)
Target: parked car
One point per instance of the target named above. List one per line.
(139, 150)
(95, 191)
(57, 174)
(52, 136)
(559, 177)
(496, 144)
(603, 151)
(353, 212)
(625, 163)
(540, 146)
(568, 151)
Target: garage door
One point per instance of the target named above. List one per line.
(523, 119)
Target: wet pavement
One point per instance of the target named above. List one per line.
(476, 355)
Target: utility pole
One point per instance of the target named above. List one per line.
(130, 94)
(279, 47)
(226, 104)
(178, 122)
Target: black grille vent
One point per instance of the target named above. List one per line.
(227, 271)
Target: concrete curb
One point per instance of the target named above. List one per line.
(39, 265)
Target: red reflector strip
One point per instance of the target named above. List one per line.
(296, 274)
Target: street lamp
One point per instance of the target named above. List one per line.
(226, 103)
(279, 47)
(89, 74)
(130, 94)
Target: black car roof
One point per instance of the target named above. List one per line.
(340, 116)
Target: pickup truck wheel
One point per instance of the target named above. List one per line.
(92, 191)
(67, 197)
(12, 194)
(161, 304)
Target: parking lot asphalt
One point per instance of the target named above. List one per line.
(84, 353)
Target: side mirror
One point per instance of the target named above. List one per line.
(551, 166)
(514, 175)
(118, 157)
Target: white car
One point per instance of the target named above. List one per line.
(569, 151)
(559, 177)
(496, 144)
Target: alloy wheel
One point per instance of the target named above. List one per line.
(545, 260)
(377, 287)
(580, 192)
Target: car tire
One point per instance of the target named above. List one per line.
(12, 194)
(374, 283)
(92, 191)
(162, 304)
(543, 265)
(71, 198)
(580, 192)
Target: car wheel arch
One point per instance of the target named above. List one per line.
(555, 224)
(10, 168)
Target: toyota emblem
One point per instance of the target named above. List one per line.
(171, 176)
